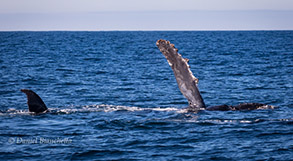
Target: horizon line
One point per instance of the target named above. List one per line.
(144, 11)
(145, 30)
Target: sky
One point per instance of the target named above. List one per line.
(105, 15)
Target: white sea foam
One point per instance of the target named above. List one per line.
(95, 108)
(191, 117)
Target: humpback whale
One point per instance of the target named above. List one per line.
(187, 82)
(34, 102)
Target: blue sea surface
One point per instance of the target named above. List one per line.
(113, 96)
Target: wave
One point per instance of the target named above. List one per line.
(188, 116)
(91, 108)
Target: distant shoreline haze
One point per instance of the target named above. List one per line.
(148, 21)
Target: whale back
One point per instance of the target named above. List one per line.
(241, 106)
(34, 102)
(186, 81)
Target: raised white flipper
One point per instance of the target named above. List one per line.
(186, 81)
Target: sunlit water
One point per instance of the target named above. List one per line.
(113, 96)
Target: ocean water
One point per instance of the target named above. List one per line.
(113, 96)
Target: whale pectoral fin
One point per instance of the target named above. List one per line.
(34, 102)
(186, 81)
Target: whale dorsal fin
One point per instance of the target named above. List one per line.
(34, 102)
(187, 83)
